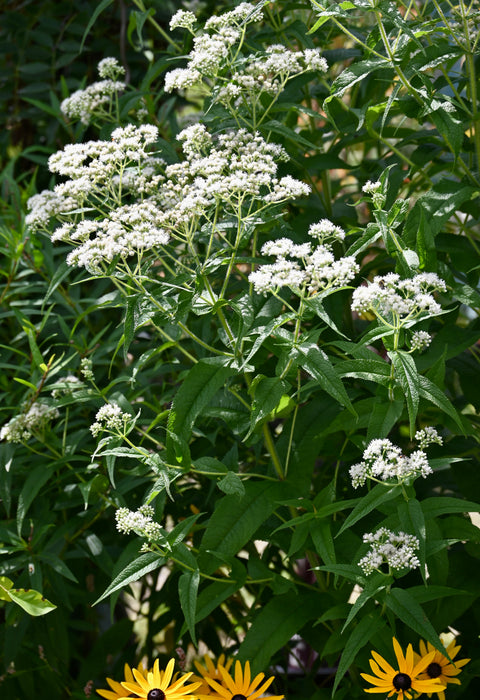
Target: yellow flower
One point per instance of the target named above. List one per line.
(118, 691)
(440, 667)
(242, 687)
(210, 671)
(157, 685)
(404, 680)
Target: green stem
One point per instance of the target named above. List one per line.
(141, 6)
(272, 451)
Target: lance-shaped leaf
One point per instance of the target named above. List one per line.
(198, 388)
(312, 359)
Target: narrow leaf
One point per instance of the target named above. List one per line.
(378, 495)
(188, 590)
(133, 572)
(362, 633)
(405, 607)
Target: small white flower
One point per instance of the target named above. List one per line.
(33, 421)
(314, 60)
(183, 19)
(426, 436)
(110, 417)
(110, 68)
(140, 521)
(396, 550)
(372, 187)
(384, 461)
(86, 368)
(326, 230)
(388, 295)
(420, 340)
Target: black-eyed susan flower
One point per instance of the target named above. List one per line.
(404, 680)
(117, 690)
(210, 670)
(241, 686)
(158, 685)
(440, 667)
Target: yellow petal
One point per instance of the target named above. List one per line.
(399, 654)
(384, 665)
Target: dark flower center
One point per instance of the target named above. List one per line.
(239, 696)
(402, 682)
(156, 694)
(434, 670)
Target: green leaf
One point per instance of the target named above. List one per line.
(316, 363)
(98, 10)
(451, 128)
(383, 417)
(321, 535)
(188, 591)
(34, 482)
(435, 207)
(235, 521)
(231, 484)
(363, 632)
(407, 375)
(377, 371)
(276, 623)
(141, 566)
(279, 128)
(31, 601)
(25, 383)
(378, 495)
(424, 594)
(196, 391)
(267, 392)
(406, 608)
(62, 271)
(375, 584)
(441, 505)
(428, 390)
(5, 585)
(351, 572)
(355, 73)
(412, 520)
(213, 595)
(34, 349)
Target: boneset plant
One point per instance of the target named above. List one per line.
(277, 324)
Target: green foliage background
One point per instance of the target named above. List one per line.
(373, 115)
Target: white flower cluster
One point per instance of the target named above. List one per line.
(235, 166)
(268, 73)
(183, 19)
(234, 169)
(139, 521)
(260, 73)
(397, 550)
(86, 368)
(67, 385)
(372, 187)
(110, 417)
(101, 171)
(212, 48)
(100, 160)
(404, 299)
(427, 436)
(420, 340)
(35, 420)
(84, 104)
(383, 461)
(319, 269)
(110, 68)
(42, 207)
